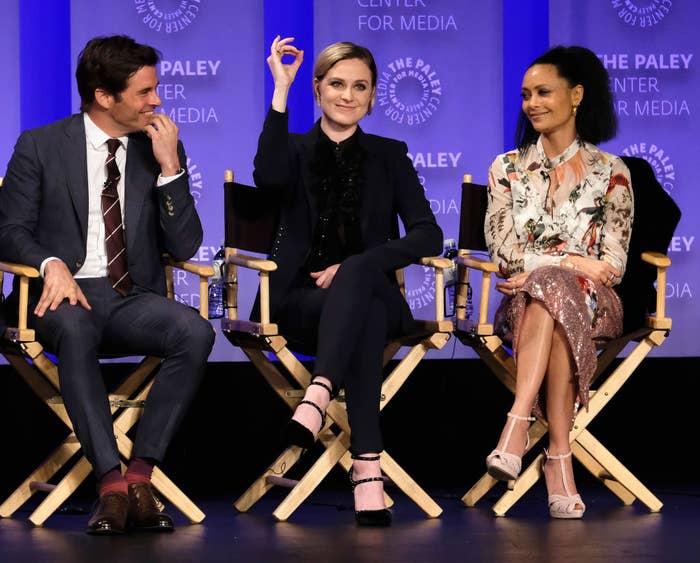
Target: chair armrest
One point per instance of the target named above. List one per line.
(251, 262)
(656, 259)
(662, 263)
(435, 262)
(233, 260)
(439, 264)
(193, 267)
(467, 262)
(477, 264)
(21, 333)
(19, 269)
(204, 271)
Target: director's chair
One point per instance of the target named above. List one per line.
(656, 217)
(27, 356)
(251, 223)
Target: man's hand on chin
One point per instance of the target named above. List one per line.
(164, 134)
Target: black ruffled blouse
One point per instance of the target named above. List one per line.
(336, 171)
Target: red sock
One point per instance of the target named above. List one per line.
(112, 482)
(139, 471)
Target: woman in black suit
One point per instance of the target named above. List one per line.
(340, 193)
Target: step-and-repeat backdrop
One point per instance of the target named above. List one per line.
(650, 49)
(9, 93)
(440, 90)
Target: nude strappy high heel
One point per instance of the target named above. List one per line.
(561, 506)
(502, 465)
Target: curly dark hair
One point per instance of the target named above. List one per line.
(595, 119)
(107, 63)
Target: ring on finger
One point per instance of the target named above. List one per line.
(514, 291)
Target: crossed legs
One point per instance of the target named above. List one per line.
(543, 356)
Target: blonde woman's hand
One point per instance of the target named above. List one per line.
(284, 73)
(325, 277)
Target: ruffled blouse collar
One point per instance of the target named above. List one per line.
(569, 152)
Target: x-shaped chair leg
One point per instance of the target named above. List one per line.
(336, 446)
(274, 475)
(585, 447)
(79, 472)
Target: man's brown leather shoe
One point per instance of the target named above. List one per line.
(109, 517)
(144, 513)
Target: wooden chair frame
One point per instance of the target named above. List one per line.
(26, 355)
(257, 339)
(598, 460)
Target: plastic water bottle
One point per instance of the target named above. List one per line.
(450, 251)
(470, 303)
(216, 285)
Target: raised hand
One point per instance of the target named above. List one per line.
(163, 134)
(283, 74)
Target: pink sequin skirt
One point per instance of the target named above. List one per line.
(586, 310)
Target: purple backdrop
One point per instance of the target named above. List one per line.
(440, 90)
(9, 94)
(650, 50)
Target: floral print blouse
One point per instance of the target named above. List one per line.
(541, 209)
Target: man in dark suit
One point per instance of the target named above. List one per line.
(93, 201)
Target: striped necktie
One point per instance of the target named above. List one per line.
(117, 268)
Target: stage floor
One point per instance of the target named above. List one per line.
(323, 530)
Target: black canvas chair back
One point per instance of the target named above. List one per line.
(656, 216)
(472, 213)
(250, 219)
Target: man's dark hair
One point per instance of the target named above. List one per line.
(107, 63)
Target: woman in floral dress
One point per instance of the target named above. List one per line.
(558, 225)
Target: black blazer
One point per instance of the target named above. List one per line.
(44, 205)
(390, 188)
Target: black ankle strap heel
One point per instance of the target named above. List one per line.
(374, 518)
(297, 434)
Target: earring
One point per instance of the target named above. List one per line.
(574, 110)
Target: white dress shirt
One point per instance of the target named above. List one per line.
(95, 264)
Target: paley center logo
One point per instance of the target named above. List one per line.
(660, 161)
(196, 182)
(167, 16)
(642, 13)
(420, 287)
(409, 91)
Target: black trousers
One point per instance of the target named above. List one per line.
(141, 323)
(348, 325)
